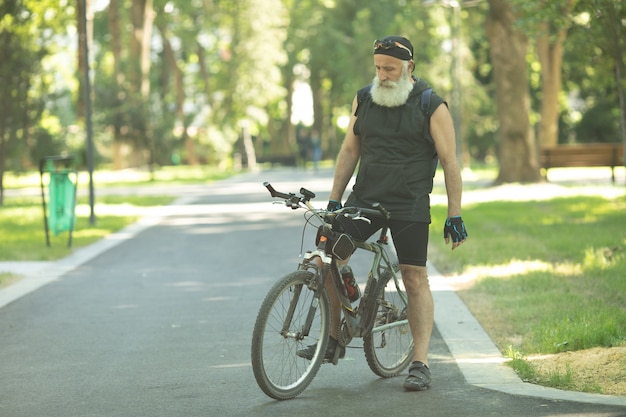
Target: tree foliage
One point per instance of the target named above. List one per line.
(27, 36)
(600, 83)
(199, 81)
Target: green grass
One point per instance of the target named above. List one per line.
(550, 274)
(563, 230)
(22, 220)
(23, 233)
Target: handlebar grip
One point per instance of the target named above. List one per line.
(382, 210)
(275, 193)
(270, 188)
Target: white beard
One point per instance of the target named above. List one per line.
(391, 93)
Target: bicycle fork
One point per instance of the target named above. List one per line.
(295, 299)
(289, 316)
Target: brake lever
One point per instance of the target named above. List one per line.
(357, 216)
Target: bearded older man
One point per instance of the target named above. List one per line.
(386, 133)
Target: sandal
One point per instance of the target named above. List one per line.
(419, 377)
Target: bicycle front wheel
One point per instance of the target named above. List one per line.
(292, 317)
(389, 347)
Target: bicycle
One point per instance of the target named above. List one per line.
(295, 312)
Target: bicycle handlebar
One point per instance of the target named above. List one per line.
(275, 193)
(292, 200)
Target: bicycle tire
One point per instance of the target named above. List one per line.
(389, 346)
(279, 372)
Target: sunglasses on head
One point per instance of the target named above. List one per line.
(388, 44)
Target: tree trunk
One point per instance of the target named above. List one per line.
(118, 74)
(169, 57)
(550, 53)
(143, 33)
(318, 108)
(517, 150)
(283, 142)
(551, 59)
(191, 156)
(142, 20)
(80, 107)
(248, 147)
(3, 156)
(204, 73)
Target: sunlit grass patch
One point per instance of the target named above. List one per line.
(545, 276)
(23, 232)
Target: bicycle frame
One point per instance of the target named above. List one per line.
(359, 320)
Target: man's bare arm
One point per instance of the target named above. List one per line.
(347, 160)
(442, 131)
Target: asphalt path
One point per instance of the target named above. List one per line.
(157, 321)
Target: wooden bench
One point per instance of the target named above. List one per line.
(583, 155)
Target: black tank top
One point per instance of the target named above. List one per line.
(396, 166)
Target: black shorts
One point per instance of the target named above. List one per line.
(410, 238)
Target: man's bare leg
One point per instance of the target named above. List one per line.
(421, 314)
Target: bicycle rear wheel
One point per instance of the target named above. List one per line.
(279, 332)
(389, 347)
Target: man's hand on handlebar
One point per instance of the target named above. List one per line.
(333, 205)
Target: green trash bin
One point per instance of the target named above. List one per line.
(61, 195)
(59, 215)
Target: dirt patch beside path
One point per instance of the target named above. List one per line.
(592, 370)
(597, 370)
